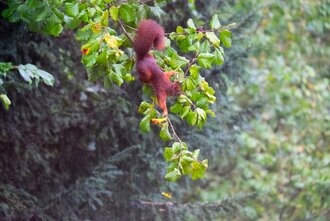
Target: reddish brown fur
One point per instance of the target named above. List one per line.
(150, 34)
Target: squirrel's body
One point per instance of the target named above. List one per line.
(150, 34)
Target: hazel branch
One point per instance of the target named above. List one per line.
(124, 30)
(173, 130)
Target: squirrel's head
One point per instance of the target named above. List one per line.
(175, 89)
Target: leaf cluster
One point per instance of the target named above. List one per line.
(31, 76)
(183, 162)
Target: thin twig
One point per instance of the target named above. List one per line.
(130, 27)
(201, 30)
(173, 130)
(124, 30)
(193, 61)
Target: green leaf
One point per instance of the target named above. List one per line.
(178, 61)
(83, 15)
(176, 146)
(194, 47)
(89, 60)
(26, 74)
(147, 90)
(218, 59)
(196, 154)
(185, 168)
(205, 47)
(84, 33)
(127, 12)
(102, 58)
(5, 101)
(213, 38)
(171, 167)
(128, 77)
(189, 84)
(72, 9)
(202, 103)
(173, 175)
(145, 124)
(191, 24)
(179, 30)
(107, 82)
(196, 95)
(168, 153)
(116, 77)
(194, 71)
(114, 11)
(105, 18)
(205, 59)
(91, 12)
(191, 118)
(71, 23)
(58, 13)
(144, 106)
(176, 108)
(185, 110)
(6, 13)
(211, 98)
(205, 163)
(198, 170)
(30, 71)
(182, 98)
(46, 77)
(42, 14)
(164, 133)
(184, 43)
(5, 67)
(188, 159)
(210, 112)
(225, 37)
(56, 29)
(201, 113)
(215, 23)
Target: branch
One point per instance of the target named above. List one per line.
(193, 61)
(202, 30)
(173, 130)
(124, 30)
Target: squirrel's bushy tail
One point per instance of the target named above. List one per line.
(149, 33)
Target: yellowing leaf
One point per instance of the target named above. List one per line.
(85, 51)
(158, 121)
(96, 28)
(111, 41)
(168, 195)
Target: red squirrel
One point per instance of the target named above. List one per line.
(150, 33)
